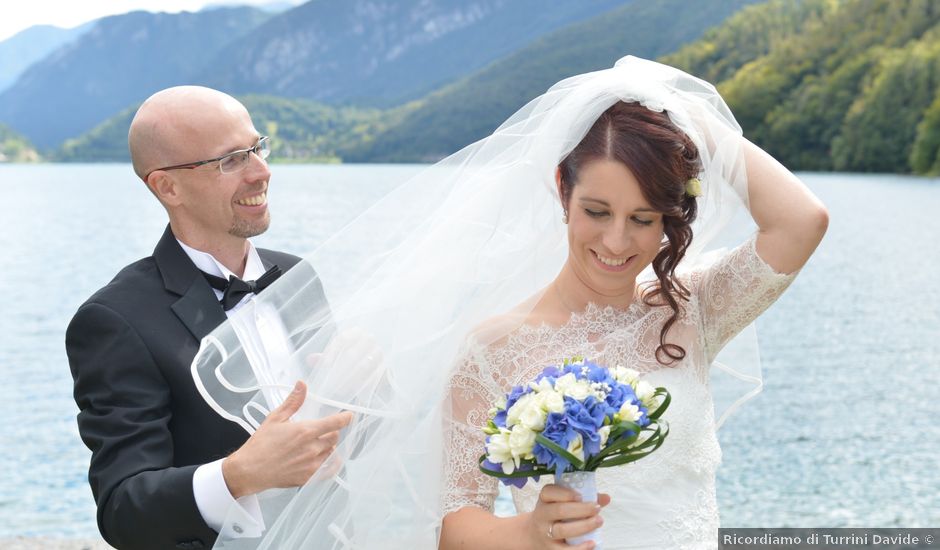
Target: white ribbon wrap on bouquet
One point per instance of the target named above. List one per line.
(585, 484)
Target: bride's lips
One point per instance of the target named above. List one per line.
(613, 268)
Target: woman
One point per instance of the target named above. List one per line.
(629, 192)
(621, 179)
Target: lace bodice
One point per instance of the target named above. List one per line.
(666, 500)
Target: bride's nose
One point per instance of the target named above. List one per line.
(617, 238)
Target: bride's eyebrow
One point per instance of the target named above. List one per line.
(606, 204)
(598, 201)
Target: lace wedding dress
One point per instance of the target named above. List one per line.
(666, 500)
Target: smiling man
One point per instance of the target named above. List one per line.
(167, 471)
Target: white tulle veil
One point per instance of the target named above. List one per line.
(473, 236)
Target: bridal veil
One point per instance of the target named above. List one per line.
(473, 236)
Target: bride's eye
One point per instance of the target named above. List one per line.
(595, 213)
(641, 221)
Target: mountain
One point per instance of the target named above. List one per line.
(458, 114)
(26, 47)
(386, 52)
(15, 148)
(470, 109)
(273, 6)
(122, 60)
(849, 85)
(300, 130)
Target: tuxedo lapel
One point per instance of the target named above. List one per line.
(197, 308)
(266, 262)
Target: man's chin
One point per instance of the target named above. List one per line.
(245, 229)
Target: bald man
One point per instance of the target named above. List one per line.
(167, 471)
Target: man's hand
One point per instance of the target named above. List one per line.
(282, 453)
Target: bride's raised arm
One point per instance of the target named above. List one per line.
(791, 220)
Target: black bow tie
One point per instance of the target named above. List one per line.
(234, 289)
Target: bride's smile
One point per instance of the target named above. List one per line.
(613, 233)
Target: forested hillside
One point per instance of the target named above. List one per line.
(847, 85)
(15, 148)
(470, 109)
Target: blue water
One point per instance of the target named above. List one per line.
(846, 433)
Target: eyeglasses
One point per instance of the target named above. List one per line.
(230, 163)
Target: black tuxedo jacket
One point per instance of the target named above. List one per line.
(130, 347)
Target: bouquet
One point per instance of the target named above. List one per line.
(575, 418)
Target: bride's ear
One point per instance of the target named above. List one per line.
(558, 184)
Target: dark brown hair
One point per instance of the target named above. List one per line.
(663, 159)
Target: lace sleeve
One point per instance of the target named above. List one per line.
(734, 291)
(471, 393)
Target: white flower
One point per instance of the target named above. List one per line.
(562, 383)
(542, 385)
(498, 450)
(571, 387)
(604, 432)
(576, 447)
(629, 412)
(552, 401)
(645, 391)
(533, 416)
(521, 404)
(625, 375)
(521, 443)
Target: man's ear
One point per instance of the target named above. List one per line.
(164, 187)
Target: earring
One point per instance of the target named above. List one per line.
(564, 218)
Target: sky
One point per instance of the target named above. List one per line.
(72, 14)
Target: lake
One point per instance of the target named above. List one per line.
(845, 434)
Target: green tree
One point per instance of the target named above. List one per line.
(925, 153)
(879, 130)
(16, 148)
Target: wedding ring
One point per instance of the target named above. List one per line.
(550, 527)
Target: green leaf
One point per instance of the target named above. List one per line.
(516, 473)
(551, 445)
(662, 406)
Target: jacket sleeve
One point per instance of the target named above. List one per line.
(143, 500)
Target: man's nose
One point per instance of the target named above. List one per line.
(257, 167)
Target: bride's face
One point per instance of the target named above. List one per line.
(613, 232)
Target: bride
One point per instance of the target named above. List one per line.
(606, 193)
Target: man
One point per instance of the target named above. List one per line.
(166, 470)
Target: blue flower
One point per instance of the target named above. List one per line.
(558, 431)
(552, 373)
(519, 482)
(644, 419)
(491, 466)
(618, 395)
(573, 368)
(587, 418)
(597, 373)
(500, 418)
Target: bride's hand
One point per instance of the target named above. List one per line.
(559, 514)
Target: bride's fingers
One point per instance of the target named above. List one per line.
(555, 493)
(603, 499)
(568, 529)
(567, 511)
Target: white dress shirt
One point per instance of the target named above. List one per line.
(214, 500)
